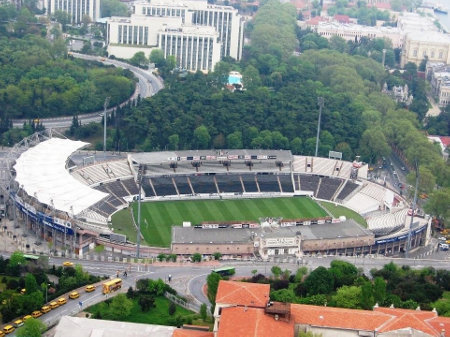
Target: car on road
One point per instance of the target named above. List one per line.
(18, 323)
(45, 309)
(8, 329)
(36, 314)
(90, 288)
(403, 168)
(67, 264)
(442, 238)
(54, 305)
(26, 317)
(74, 294)
(23, 291)
(2, 334)
(62, 300)
(444, 246)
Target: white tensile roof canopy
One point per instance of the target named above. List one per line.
(41, 173)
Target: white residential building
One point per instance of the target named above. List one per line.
(76, 9)
(196, 33)
(434, 45)
(439, 76)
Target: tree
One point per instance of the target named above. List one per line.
(347, 297)
(63, 18)
(161, 257)
(120, 307)
(379, 290)
(30, 283)
(217, 255)
(157, 57)
(146, 302)
(16, 261)
(203, 313)
(296, 145)
(212, 281)
(172, 308)
(113, 8)
(234, 140)
(373, 145)
(344, 273)
(437, 204)
(139, 59)
(31, 328)
(202, 137)
(276, 271)
(196, 257)
(174, 140)
(367, 300)
(319, 281)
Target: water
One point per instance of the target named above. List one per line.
(444, 19)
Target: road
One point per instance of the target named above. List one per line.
(148, 85)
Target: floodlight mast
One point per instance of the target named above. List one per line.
(105, 106)
(141, 171)
(320, 102)
(408, 243)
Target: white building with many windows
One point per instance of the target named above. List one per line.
(196, 33)
(418, 45)
(76, 9)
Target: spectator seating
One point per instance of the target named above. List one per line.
(130, 186)
(116, 188)
(100, 172)
(182, 184)
(349, 187)
(147, 187)
(163, 186)
(229, 183)
(309, 183)
(203, 184)
(268, 183)
(387, 223)
(362, 203)
(375, 191)
(119, 168)
(249, 182)
(328, 187)
(286, 183)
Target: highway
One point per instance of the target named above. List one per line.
(148, 85)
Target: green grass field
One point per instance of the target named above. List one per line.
(339, 210)
(158, 217)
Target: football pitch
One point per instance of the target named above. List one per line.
(158, 217)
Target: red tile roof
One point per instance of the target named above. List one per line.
(405, 318)
(191, 333)
(315, 20)
(445, 140)
(440, 323)
(342, 18)
(338, 317)
(243, 293)
(252, 322)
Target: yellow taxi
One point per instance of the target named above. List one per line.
(45, 309)
(74, 294)
(2, 334)
(90, 288)
(67, 264)
(36, 314)
(54, 304)
(62, 300)
(18, 322)
(26, 317)
(23, 291)
(8, 329)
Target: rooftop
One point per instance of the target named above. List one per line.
(243, 294)
(251, 322)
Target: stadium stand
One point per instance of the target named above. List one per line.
(348, 188)
(119, 168)
(328, 187)
(309, 183)
(130, 186)
(229, 183)
(362, 203)
(203, 184)
(147, 187)
(249, 183)
(101, 172)
(387, 223)
(377, 192)
(163, 186)
(116, 188)
(182, 185)
(268, 183)
(286, 183)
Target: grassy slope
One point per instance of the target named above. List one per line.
(338, 210)
(159, 217)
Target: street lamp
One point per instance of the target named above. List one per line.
(46, 291)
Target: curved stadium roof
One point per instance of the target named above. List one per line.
(41, 173)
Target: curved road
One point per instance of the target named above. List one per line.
(147, 86)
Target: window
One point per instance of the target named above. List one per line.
(415, 52)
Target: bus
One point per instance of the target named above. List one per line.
(224, 271)
(112, 285)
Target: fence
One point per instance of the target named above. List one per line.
(190, 306)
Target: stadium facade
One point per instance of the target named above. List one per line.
(67, 197)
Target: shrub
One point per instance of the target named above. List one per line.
(172, 308)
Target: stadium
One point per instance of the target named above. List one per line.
(240, 203)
